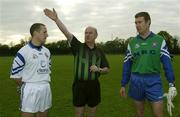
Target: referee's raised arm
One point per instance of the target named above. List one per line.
(53, 15)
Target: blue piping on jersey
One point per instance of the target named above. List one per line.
(34, 47)
(14, 69)
(165, 47)
(20, 57)
(17, 71)
(150, 34)
(19, 67)
(17, 63)
(163, 51)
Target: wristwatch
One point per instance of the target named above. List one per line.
(171, 85)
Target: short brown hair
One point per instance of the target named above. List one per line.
(35, 27)
(145, 15)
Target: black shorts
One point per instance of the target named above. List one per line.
(86, 92)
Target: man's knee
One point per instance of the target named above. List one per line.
(25, 114)
(79, 111)
(158, 109)
(43, 114)
(140, 114)
(92, 112)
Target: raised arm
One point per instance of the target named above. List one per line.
(53, 15)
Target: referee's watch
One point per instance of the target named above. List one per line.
(99, 70)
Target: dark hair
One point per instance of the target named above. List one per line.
(145, 15)
(35, 27)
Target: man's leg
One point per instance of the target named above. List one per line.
(79, 111)
(94, 97)
(92, 112)
(25, 114)
(25, 97)
(43, 114)
(157, 108)
(139, 105)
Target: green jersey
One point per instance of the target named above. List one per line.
(146, 54)
(84, 58)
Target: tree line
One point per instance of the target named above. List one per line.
(115, 46)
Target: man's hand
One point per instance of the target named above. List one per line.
(122, 92)
(94, 68)
(172, 92)
(170, 105)
(51, 14)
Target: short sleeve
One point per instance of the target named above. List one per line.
(18, 65)
(104, 62)
(75, 45)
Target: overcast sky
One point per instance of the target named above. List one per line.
(113, 18)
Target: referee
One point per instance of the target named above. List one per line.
(89, 63)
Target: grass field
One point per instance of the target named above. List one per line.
(112, 105)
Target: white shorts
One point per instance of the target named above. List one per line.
(35, 97)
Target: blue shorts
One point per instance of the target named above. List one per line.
(146, 87)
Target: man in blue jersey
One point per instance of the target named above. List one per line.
(31, 71)
(141, 68)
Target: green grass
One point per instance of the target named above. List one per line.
(112, 105)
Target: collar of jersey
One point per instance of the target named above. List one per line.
(90, 48)
(150, 35)
(35, 47)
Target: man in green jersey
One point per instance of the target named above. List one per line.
(141, 67)
(89, 63)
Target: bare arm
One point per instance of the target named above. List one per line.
(18, 81)
(19, 84)
(53, 15)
